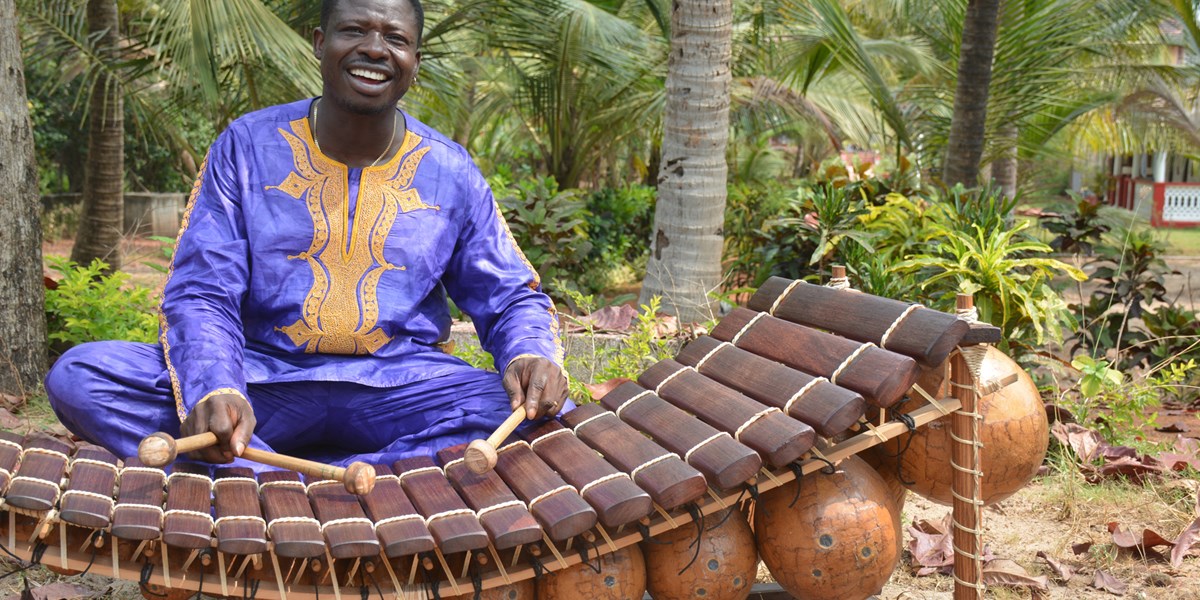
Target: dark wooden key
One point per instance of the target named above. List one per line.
(240, 527)
(88, 501)
(188, 521)
(35, 486)
(881, 376)
(505, 518)
(291, 525)
(401, 529)
(11, 446)
(825, 407)
(670, 481)
(452, 524)
(556, 504)
(724, 462)
(778, 438)
(139, 511)
(924, 334)
(615, 497)
(347, 530)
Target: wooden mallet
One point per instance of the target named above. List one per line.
(160, 449)
(480, 455)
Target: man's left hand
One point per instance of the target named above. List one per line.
(537, 384)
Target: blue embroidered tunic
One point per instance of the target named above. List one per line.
(292, 267)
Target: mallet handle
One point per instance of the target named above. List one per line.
(291, 463)
(192, 443)
(506, 428)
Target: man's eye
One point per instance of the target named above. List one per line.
(397, 40)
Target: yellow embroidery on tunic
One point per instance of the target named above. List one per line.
(163, 326)
(340, 312)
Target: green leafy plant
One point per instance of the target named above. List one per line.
(1007, 273)
(758, 244)
(549, 225)
(1120, 409)
(1077, 227)
(1130, 273)
(89, 304)
(831, 216)
(638, 348)
(618, 227)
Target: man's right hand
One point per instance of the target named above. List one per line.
(230, 417)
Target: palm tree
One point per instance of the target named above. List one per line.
(222, 58)
(964, 147)
(99, 233)
(686, 243)
(23, 322)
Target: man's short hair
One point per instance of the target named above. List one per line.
(327, 7)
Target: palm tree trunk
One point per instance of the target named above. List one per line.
(103, 189)
(964, 148)
(23, 320)
(1004, 168)
(685, 258)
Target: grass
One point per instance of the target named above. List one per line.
(1184, 242)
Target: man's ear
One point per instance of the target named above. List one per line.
(318, 42)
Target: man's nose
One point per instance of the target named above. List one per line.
(373, 45)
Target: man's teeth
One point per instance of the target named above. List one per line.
(368, 74)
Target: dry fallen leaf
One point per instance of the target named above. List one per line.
(1110, 584)
(1183, 543)
(1061, 572)
(9, 421)
(1006, 572)
(931, 546)
(1143, 544)
(1084, 442)
(610, 318)
(11, 401)
(600, 390)
(58, 591)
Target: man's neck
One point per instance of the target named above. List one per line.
(355, 139)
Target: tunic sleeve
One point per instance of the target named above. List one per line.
(200, 317)
(490, 279)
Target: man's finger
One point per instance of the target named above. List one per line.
(534, 395)
(512, 385)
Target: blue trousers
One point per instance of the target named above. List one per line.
(113, 394)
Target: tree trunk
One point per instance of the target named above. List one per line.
(23, 320)
(964, 149)
(1004, 168)
(685, 257)
(100, 224)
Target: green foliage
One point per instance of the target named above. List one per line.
(549, 224)
(90, 304)
(60, 221)
(166, 245)
(475, 355)
(1130, 272)
(640, 347)
(618, 225)
(832, 218)
(1078, 226)
(1119, 409)
(1003, 270)
(984, 207)
(755, 246)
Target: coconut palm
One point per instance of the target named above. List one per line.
(685, 258)
(221, 58)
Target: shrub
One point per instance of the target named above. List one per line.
(90, 304)
(549, 225)
(618, 226)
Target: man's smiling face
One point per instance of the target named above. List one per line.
(369, 54)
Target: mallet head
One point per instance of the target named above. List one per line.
(480, 457)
